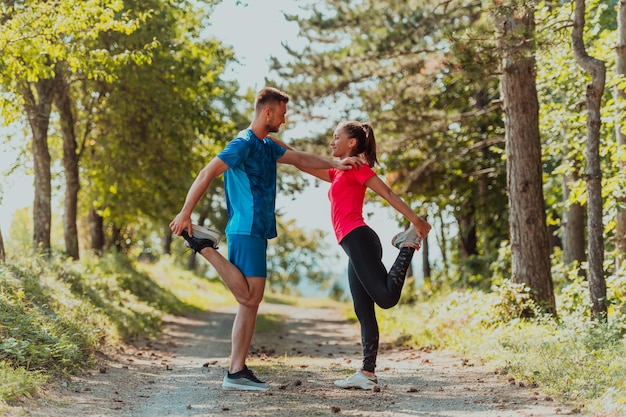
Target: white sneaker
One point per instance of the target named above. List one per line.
(244, 380)
(202, 238)
(407, 238)
(358, 380)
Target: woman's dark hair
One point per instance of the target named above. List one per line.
(365, 140)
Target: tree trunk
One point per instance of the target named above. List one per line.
(70, 163)
(191, 261)
(425, 262)
(96, 230)
(117, 240)
(166, 241)
(2, 254)
(620, 99)
(443, 244)
(530, 256)
(38, 113)
(468, 240)
(573, 229)
(596, 69)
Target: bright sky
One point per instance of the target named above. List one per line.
(255, 32)
(16, 191)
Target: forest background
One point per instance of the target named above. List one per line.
(500, 122)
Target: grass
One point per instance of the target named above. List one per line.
(269, 323)
(19, 382)
(575, 360)
(56, 314)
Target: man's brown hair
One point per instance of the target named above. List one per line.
(270, 95)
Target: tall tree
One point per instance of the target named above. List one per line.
(527, 219)
(562, 131)
(573, 225)
(2, 252)
(35, 36)
(620, 99)
(37, 97)
(64, 104)
(595, 90)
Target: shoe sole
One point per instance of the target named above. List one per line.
(416, 245)
(204, 233)
(226, 386)
(356, 386)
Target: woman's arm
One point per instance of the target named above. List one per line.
(379, 187)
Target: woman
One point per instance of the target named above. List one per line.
(368, 278)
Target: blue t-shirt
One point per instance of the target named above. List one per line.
(250, 184)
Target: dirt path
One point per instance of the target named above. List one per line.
(180, 375)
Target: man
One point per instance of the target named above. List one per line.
(249, 166)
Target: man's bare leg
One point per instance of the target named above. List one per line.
(243, 326)
(249, 293)
(232, 277)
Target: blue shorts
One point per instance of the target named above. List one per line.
(249, 254)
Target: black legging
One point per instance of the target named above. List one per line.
(370, 283)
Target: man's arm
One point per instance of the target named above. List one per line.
(322, 173)
(309, 161)
(280, 142)
(182, 221)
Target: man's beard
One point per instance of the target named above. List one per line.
(272, 128)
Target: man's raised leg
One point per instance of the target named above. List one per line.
(236, 282)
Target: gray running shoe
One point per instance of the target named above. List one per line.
(358, 380)
(202, 238)
(408, 238)
(244, 380)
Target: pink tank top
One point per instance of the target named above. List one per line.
(346, 195)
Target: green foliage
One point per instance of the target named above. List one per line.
(409, 292)
(159, 122)
(337, 292)
(562, 85)
(40, 331)
(16, 383)
(616, 297)
(501, 267)
(513, 302)
(21, 227)
(575, 359)
(269, 323)
(36, 35)
(148, 103)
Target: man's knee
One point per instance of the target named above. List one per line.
(250, 301)
(254, 297)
